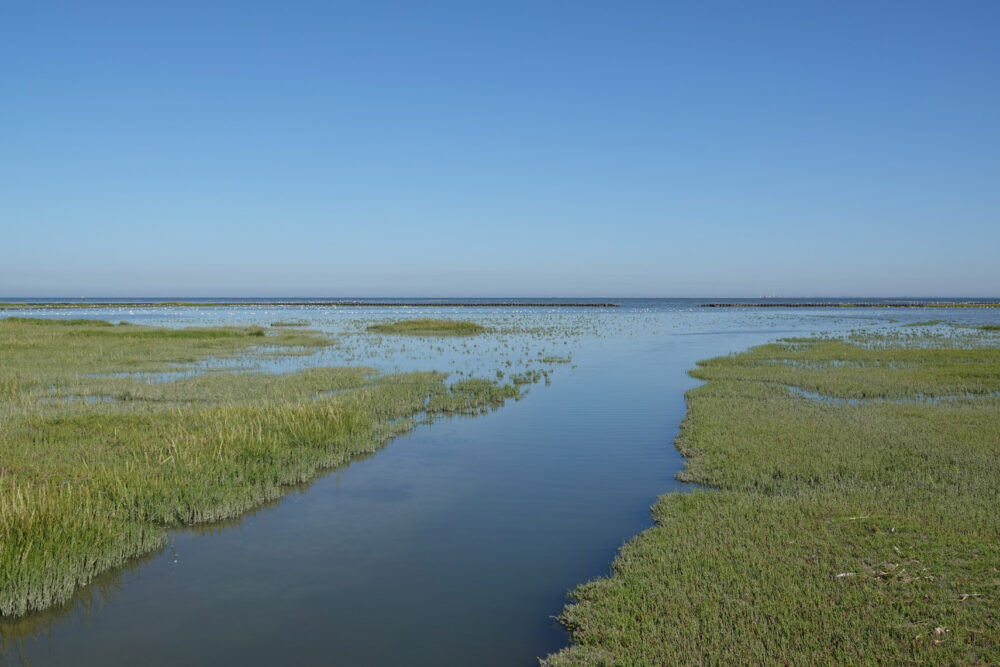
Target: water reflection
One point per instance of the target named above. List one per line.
(15, 634)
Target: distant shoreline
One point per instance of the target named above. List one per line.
(357, 303)
(364, 304)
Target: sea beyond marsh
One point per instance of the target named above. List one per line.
(455, 539)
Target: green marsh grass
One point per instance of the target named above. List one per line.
(555, 360)
(96, 462)
(863, 532)
(429, 327)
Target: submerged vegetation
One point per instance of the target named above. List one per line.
(429, 327)
(835, 531)
(98, 454)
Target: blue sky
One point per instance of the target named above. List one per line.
(499, 149)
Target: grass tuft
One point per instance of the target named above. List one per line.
(53, 322)
(429, 327)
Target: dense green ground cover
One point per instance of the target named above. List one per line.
(859, 525)
(98, 454)
(429, 327)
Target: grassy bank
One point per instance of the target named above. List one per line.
(858, 523)
(428, 327)
(111, 433)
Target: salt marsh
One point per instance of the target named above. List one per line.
(457, 542)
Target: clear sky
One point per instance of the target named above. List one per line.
(499, 149)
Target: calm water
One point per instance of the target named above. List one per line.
(455, 544)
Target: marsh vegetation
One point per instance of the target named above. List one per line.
(596, 446)
(833, 532)
(100, 454)
(428, 327)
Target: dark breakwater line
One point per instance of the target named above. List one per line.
(914, 304)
